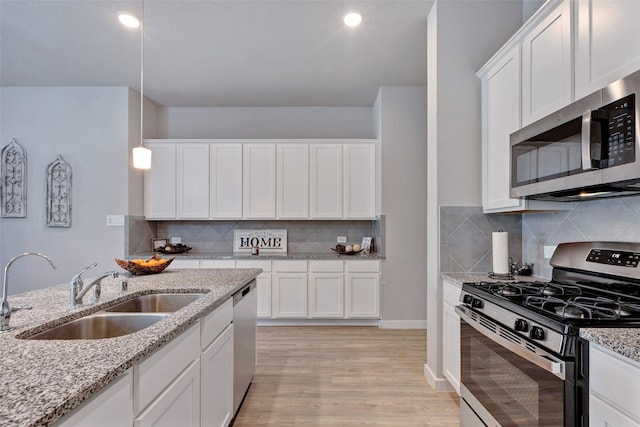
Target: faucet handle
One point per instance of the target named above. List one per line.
(77, 279)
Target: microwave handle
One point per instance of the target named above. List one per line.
(585, 141)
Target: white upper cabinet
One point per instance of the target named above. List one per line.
(225, 181)
(160, 182)
(359, 173)
(607, 43)
(547, 73)
(192, 180)
(325, 181)
(292, 181)
(259, 181)
(501, 117)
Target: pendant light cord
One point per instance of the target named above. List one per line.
(142, 76)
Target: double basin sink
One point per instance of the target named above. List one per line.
(123, 318)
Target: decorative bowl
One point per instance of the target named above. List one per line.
(153, 265)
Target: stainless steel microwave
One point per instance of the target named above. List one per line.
(589, 149)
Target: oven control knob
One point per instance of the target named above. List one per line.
(537, 333)
(521, 325)
(476, 303)
(467, 299)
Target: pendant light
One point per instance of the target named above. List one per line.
(141, 154)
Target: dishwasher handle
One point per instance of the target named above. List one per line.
(238, 296)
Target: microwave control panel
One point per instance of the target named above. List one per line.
(621, 135)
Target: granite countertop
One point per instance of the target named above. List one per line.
(42, 380)
(624, 341)
(460, 278)
(330, 255)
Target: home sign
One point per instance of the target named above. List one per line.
(269, 241)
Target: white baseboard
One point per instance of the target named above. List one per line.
(318, 322)
(403, 324)
(438, 384)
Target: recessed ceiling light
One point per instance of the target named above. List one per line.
(128, 20)
(352, 18)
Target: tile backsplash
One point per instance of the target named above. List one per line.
(614, 219)
(465, 238)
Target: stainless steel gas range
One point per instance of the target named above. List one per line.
(523, 362)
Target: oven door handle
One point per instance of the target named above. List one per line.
(539, 358)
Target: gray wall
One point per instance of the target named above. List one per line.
(403, 147)
(89, 128)
(266, 122)
(461, 37)
(615, 219)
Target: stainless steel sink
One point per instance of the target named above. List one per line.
(100, 325)
(155, 303)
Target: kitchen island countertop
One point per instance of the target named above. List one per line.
(42, 380)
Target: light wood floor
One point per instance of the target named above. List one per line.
(343, 376)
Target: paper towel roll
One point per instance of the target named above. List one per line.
(500, 244)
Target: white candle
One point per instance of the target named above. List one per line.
(500, 244)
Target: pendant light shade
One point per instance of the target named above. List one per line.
(141, 157)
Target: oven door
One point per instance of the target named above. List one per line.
(505, 380)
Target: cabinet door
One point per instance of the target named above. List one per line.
(451, 334)
(326, 295)
(259, 181)
(293, 181)
(111, 407)
(325, 181)
(289, 295)
(359, 171)
(547, 73)
(193, 181)
(607, 44)
(160, 183)
(362, 295)
(263, 283)
(216, 388)
(602, 414)
(178, 405)
(500, 117)
(226, 181)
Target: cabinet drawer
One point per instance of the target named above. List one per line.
(290, 266)
(217, 263)
(615, 379)
(264, 265)
(155, 373)
(328, 266)
(216, 322)
(362, 266)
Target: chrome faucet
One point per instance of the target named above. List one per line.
(5, 309)
(77, 290)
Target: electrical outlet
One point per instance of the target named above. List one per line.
(549, 250)
(342, 239)
(115, 220)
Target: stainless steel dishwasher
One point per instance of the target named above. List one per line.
(245, 310)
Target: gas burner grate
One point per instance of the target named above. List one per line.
(578, 307)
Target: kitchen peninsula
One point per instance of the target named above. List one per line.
(44, 380)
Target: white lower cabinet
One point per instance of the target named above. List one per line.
(451, 334)
(362, 289)
(614, 389)
(289, 295)
(263, 284)
(178, 405)
(111, 408)
(216, 388)
(326, 289)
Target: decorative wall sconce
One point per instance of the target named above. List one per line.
(13, 188)
(59, 193)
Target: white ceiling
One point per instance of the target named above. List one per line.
(219, 53)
